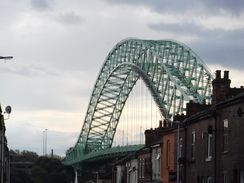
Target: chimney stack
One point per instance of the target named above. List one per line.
(221, 87)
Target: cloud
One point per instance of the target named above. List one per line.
(69, 18)
(218, 45)
(35, 86)
(235, 7)
(28, 70)
(178, 28)
(40, 5)
(221, 47)
(23, 137)
(59, 48)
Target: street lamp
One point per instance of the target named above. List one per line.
(8, 110)
(6, 58)
(43, 143)
(46, 143)
(178, 150)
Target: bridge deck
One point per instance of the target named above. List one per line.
(119, 151)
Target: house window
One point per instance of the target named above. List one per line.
(143, 168)
(168, 153)
(202, 179)
(225, 177)
(140, 166)
(225, 135)
(198, 179)
(241, 176)
(209, 179)
(157, 162)
(193, 144)
(210, 144)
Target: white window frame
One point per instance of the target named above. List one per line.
(168, 153)
(143, 168)
(140, 166)
(225, 135)
(209, 179)
(210, 147)
(225, 177)
(202, 179)
(193, 144)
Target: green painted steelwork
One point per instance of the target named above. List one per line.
(119, 151)
(172, 72)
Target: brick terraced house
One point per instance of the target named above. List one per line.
(4, 152)
(211, 142)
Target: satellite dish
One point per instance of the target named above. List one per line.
(8, 109)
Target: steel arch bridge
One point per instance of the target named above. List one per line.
(173, 73)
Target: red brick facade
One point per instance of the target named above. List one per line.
(211, 139)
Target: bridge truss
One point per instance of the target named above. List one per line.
(173, 73)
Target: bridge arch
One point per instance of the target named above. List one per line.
(173, 73)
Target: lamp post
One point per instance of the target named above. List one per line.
(46, 143)
(43, 142)
(178, 150)
(6, 58)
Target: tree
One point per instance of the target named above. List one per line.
(57, 177)
(44, 170)
(38, 175)
(20, 176)
(24, 156)
(29, 156)
(56, 171)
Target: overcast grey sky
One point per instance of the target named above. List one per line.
(59, 47)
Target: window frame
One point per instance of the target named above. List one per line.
(209, 179)
(168, 153)
(225, 177)
(210, 147)
(225, 135)
(193, 145)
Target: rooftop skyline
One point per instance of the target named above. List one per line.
(58, 48)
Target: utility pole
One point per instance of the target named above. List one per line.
(46, 143)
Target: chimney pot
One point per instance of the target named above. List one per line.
(160, 124)
(218, 74)
(226, 74)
